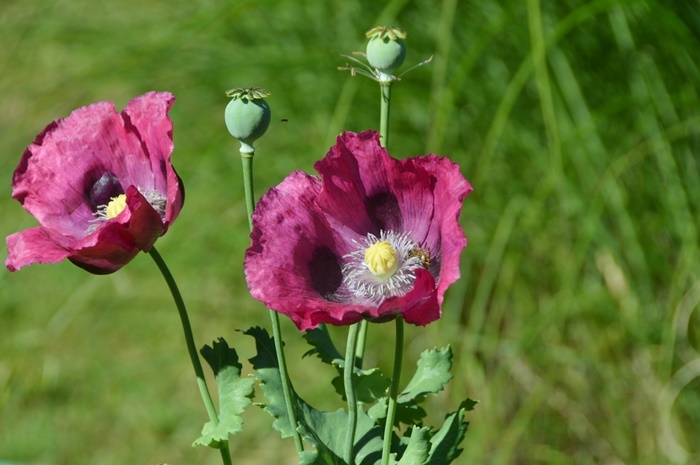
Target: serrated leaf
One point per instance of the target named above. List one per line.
(416, 452)
(323, 430)
(326, 431)
(432, 375)
(370, 385)
(234, 394)
(444, 445)
(322, 345)
(408, 413)
(267, 374)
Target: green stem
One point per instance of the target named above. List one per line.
(191, 346)
(385, 88)
(350, 393)
(385, 98)
(361, 340)
(247, 159)
(393, 392)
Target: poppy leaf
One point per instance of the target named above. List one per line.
(444, 445)
(322, 345)
(235, 394)
(325, 431)
(311, 457)
(432, 375)
(268, 375)
(370, 385)
(416, 452)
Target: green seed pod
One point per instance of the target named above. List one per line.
(247, 115)
(386, 50)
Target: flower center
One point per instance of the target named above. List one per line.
(384, 266)
(381, 260)
(115, 206)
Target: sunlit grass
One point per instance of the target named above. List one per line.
(574, 324)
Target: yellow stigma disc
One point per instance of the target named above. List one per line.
(116, 206)
(381, 259)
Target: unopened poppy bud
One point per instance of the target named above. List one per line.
(386, 50)
(247, 115)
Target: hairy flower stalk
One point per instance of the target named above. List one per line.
(247, 118)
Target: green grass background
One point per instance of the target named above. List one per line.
(578, 123)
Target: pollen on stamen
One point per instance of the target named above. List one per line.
(378, 278)
(156, 199)
(117, 204)
(111, 210)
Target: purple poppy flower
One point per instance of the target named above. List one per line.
(373, 238)
(101, 185)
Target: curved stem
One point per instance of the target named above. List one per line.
(350, 393)
(393, 392)
(191, 346)
(247, 160)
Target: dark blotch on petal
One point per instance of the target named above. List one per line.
(103, 190)
(384, 211)
(325, 272)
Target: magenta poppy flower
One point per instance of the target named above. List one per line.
(101, 185)
(373, 238)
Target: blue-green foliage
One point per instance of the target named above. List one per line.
(234, 391)
(325, 431)
(370, 385)
(431, 376)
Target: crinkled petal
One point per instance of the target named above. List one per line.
(294, 256)
(304, 228)
(64, 162)
(34, 245)
(78, 164)
(446, 234)
(147, 116)
(352, 185)
(419, 307)
(368, 191)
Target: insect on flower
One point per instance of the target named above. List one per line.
(372, 238)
